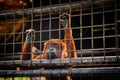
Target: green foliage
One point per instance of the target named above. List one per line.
(15, 78)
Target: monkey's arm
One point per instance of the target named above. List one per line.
(70, 44)
(26, 52)
(43, 55)
(28, 45)
(68, 38)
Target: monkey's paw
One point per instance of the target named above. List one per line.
(64, 19)
(30, 36)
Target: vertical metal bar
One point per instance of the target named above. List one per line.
(23, 28)
(60, 27)
(50, 20)
(81, 31)
(103, 29)
(13, 37)
(92, 30)
(5, 41)
(116, 32)
(13, 33)
(71, 26)
(40, 28)
(71, 29)
(59, 23)
(60, 30)
(50, 29)
(32, 15)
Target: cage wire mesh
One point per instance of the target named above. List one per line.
(95, 28)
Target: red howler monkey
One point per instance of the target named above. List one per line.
(53, 48)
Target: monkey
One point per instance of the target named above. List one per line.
(64, 49)
(53, 48)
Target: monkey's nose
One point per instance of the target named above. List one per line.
(51, 55)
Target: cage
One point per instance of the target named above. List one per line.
(95, 26)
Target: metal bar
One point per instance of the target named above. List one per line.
(92, 36)
(63, 62)
(116, 31)
(80, 53)
(74, 71)
(41, 24)
(56, 8)
(104, 29)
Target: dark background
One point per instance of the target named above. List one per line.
(93, 22)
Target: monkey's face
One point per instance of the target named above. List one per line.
(53, 51)
(54, 48)
(30, 35)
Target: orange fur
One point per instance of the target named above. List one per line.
(54, 41)
(68, 48)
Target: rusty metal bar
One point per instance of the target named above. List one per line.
(55, 8)
(74, 71)
(63, 62)
(84, 53)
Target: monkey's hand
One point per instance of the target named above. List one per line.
(28, 45)
(30, 36)
(64, 20)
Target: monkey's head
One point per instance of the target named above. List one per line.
(55, 48)
(64, 18)
(30, 36)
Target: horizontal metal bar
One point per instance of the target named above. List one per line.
(81, 61)
(83, 53)
(62, 7)
(74, 71)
